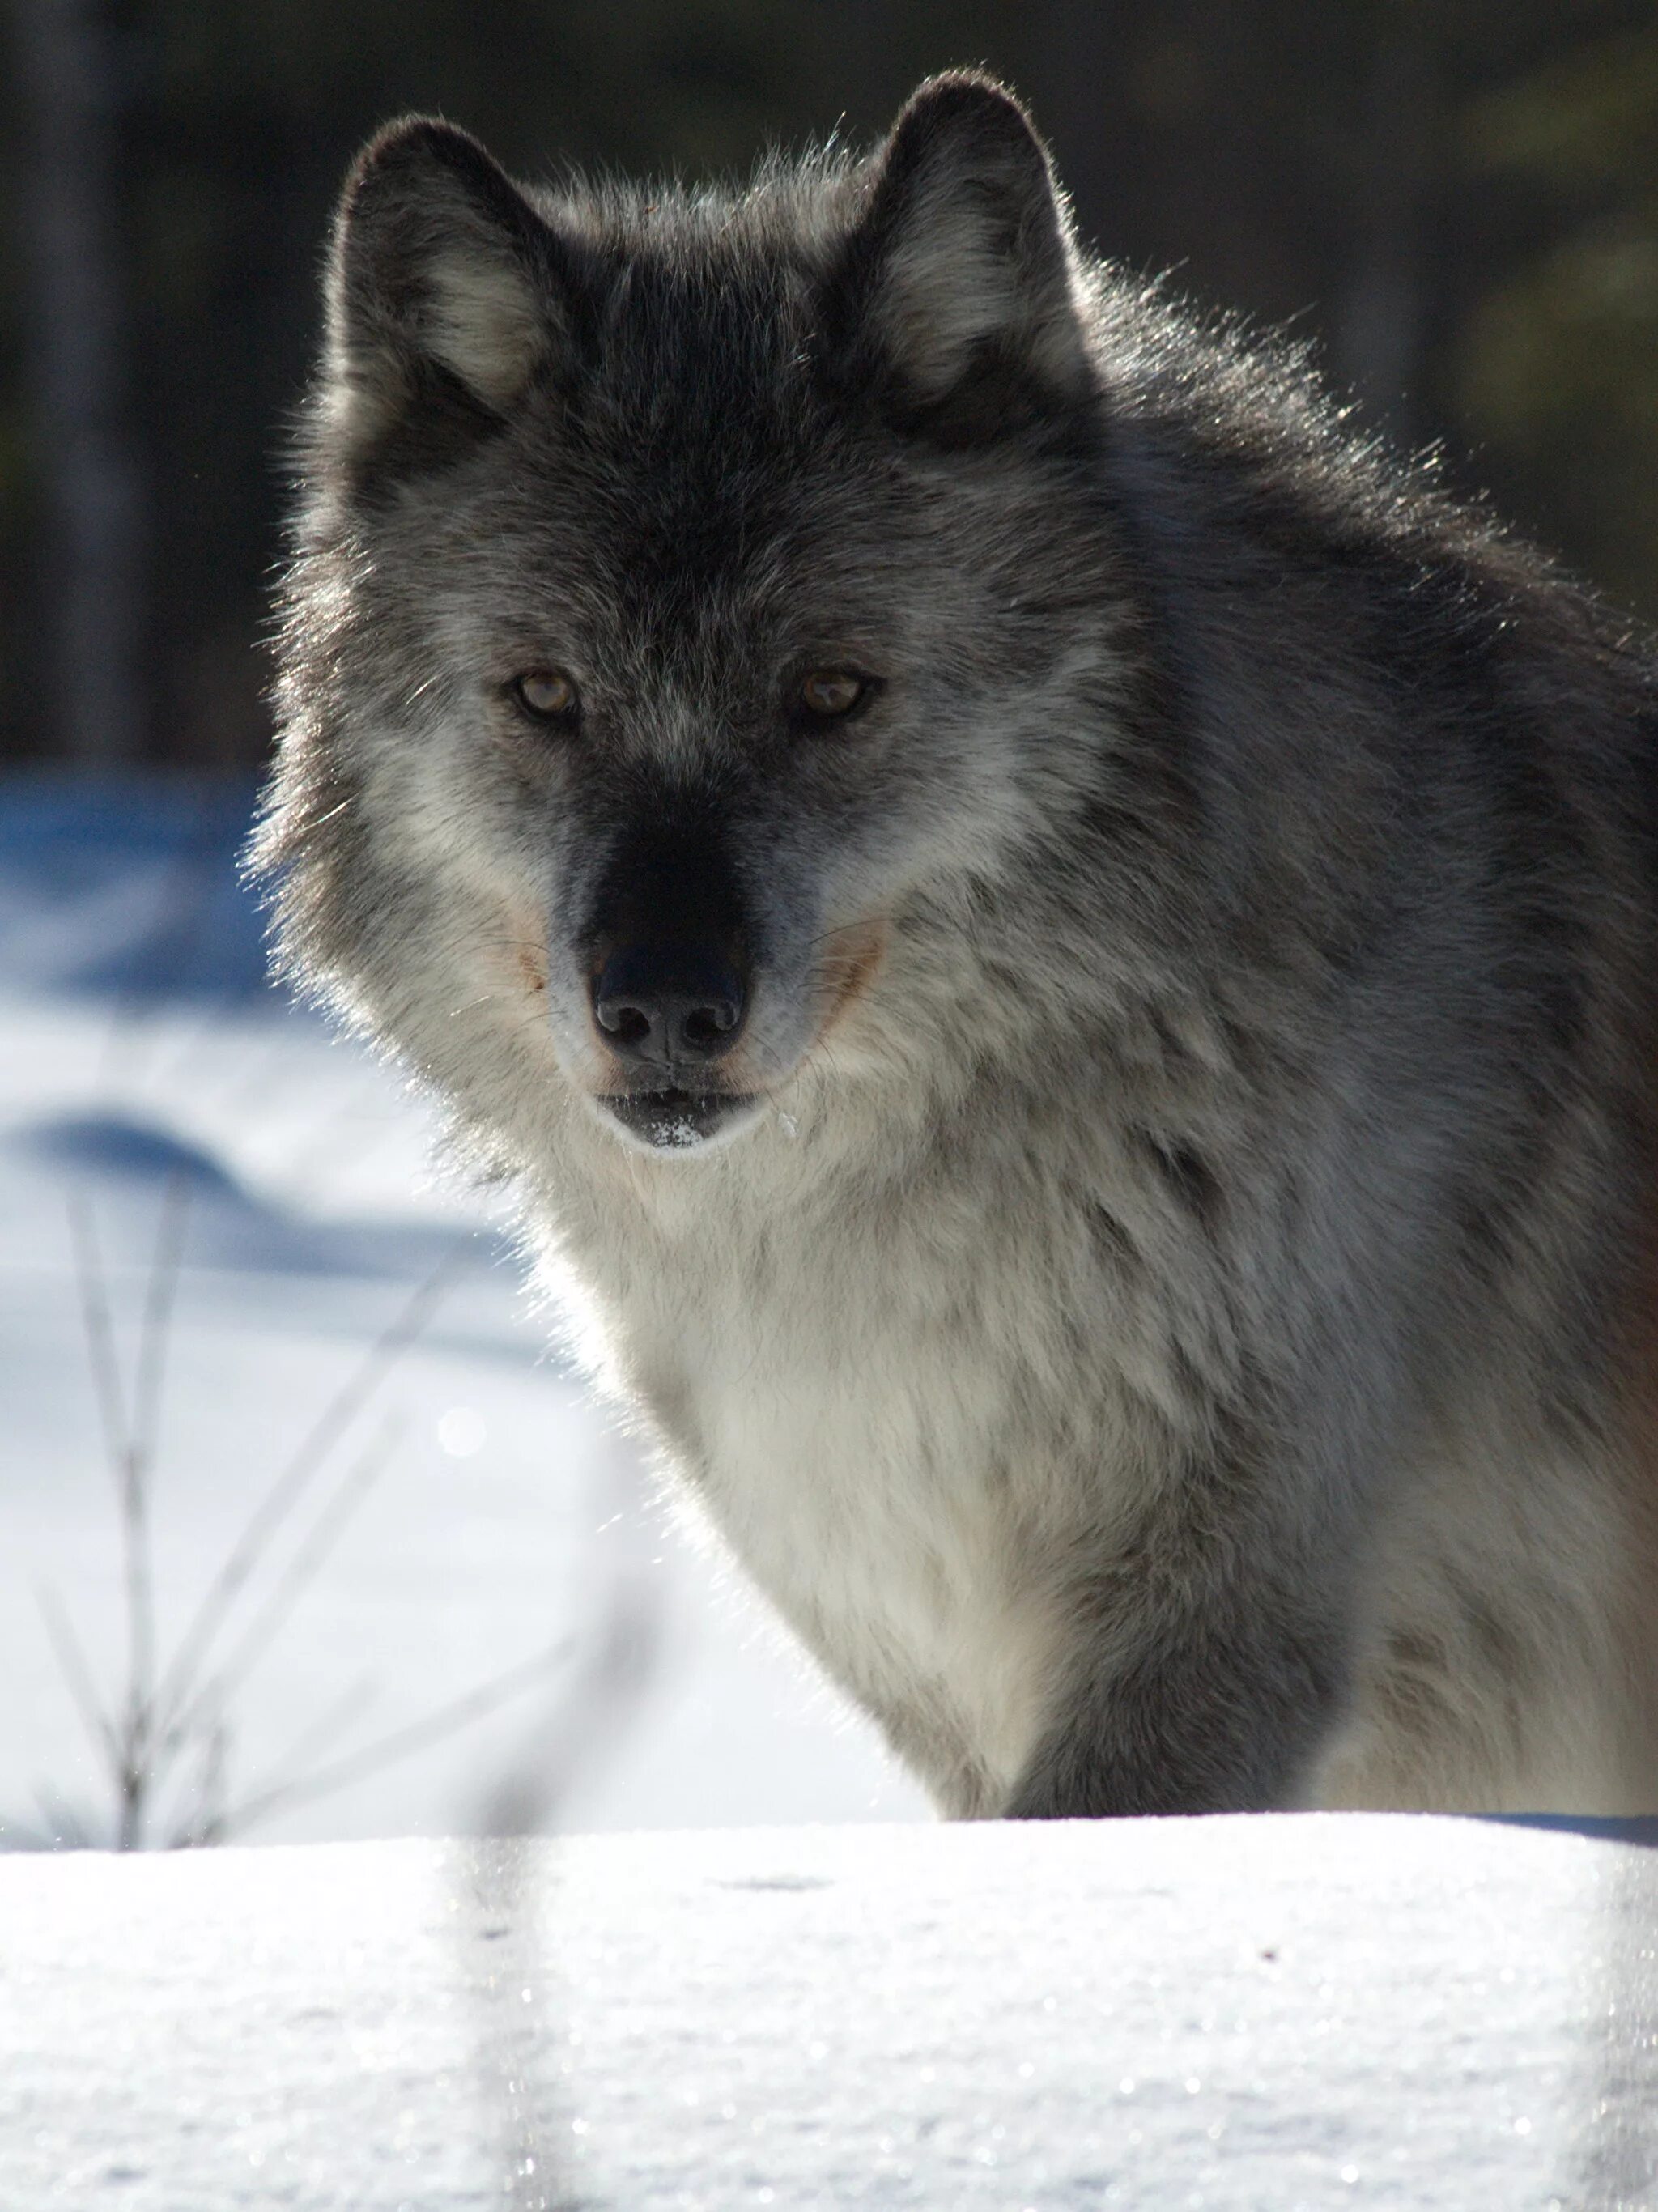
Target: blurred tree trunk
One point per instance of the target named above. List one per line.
(93, 575)
(1381, 319)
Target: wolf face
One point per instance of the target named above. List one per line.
(1065, 949)
(617, 493)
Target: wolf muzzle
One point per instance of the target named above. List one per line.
(670, 978)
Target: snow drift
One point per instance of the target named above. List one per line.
(1262, 2015)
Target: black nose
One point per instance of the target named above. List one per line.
(669, 1006)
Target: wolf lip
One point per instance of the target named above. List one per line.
(674, 1118)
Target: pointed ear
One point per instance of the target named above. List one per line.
(958, 289)
(443, 297)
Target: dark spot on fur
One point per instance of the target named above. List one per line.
(1410, 1685)
(1110, 1233)
(1185, 1174)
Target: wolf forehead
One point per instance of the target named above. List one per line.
(694, 315)
(687, 383)
(690, 454)
(671, 391)
(702, 344)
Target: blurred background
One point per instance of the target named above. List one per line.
(1457, 198)
(287, 1474)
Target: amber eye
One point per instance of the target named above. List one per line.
(830, 692)
(547, 694)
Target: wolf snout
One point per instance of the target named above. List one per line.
(668, 1007)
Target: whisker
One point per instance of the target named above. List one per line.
(523, 1029)
(524, 945)
(841, 929)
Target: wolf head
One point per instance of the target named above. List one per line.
(699, 598)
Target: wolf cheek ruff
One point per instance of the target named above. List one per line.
(1066, 951)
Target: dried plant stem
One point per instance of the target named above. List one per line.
(179, 1682)
(302, 1569)
(418, 1737)
(138, 1767)
(78, 1673)
(130, 1438)
(162, 1716)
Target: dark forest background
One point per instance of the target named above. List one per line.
(1457, 198)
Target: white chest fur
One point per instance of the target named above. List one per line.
(860, 1485)
(849, 1419)
(915, 1403)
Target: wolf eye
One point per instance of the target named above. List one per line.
(829, 693)
(546, 694)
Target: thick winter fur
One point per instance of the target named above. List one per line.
(1162, 1290)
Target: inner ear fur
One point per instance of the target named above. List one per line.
(443, 297)
(957, 287)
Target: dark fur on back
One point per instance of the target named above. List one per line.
(1160, 1290)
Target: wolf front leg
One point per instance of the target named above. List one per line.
(1216, 1703)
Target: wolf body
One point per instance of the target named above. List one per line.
(1066, 951)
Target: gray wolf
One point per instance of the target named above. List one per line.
(1067, 950)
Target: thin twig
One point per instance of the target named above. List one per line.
(139, 1771)
(592, 1713)
(77, 1674)
(155, 1330)
(301, 1572)
(179, 1679)
(416, 1737)
(206, 1825)
(282, 1774)
(93, 1285)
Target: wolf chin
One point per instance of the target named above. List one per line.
(1067, 950)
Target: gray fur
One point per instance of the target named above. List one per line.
(1172, 1331)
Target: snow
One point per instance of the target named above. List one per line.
(1259, 2015)
(142, 1055)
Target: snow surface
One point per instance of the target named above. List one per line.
(1262, 2014)
(141, 1052)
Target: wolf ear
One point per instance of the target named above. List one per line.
(442, 295)
(958, 285)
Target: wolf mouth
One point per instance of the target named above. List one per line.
(675, 1120)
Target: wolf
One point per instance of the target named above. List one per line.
(1065, 949)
